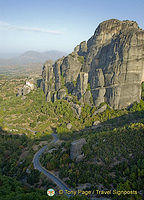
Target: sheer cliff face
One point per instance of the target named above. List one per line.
(115, 63)
(112, 61)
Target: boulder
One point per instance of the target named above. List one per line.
(61, 93)
(76, 149)
(69, 126)
(96, 123)
(48, 96)
(100, 110)
(88, 98)
(76, 108)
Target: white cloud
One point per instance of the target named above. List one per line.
(8, 26)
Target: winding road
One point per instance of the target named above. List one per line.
(49, 174)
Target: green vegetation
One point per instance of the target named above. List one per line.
(88, 87)
(62, 80)
(81, 59)
(73, 54)
(74, 83)
(33, 113)
(16, 155)
(142, 91)
(113, 155)
(10, 189)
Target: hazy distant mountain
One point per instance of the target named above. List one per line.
(32, 57)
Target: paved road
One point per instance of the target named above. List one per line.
(50, 175)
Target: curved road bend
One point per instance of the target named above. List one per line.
(50, 175)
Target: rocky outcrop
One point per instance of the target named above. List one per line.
(76, 108)
(96, 124)
(82, 82)
(60, 77)
(27, 88)
(57, 73)
(70, 67)
(100, 110)
(111, 62)
(115, 63)
(61, 93)
(48, 77)
(76, 149)
(69, 126)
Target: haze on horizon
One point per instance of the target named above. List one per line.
(43, 25)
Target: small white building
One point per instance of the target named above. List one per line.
(30, 84)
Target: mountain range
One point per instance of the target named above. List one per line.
(32, 57)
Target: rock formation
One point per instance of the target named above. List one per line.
(108, 68)
(76, 149)
(29, 86)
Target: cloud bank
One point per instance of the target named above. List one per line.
(11, 27)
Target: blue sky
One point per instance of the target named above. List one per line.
(43, 25)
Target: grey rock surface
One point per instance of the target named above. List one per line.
(115, 63)
(111, 61)
(76, 149)
(48, 96)
(61, 94)
(100, 110)
(70, 67)
(48, 77)
(27, 88)
(76, 108)
(88, 98)
(82, 82)
(95, 123)
(69, 126)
